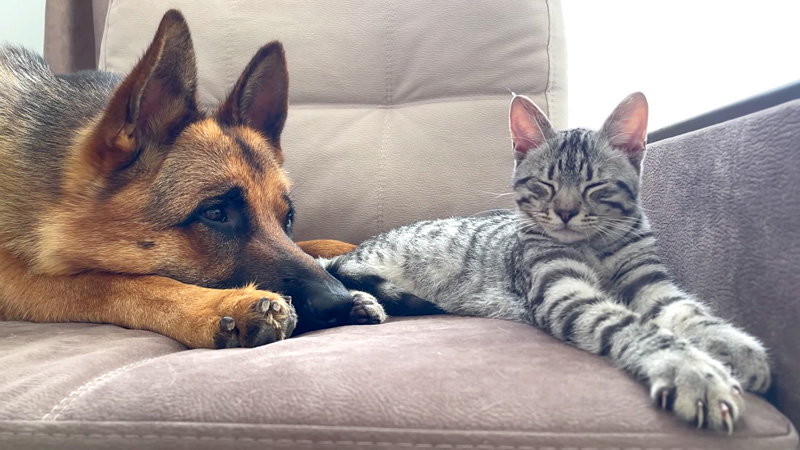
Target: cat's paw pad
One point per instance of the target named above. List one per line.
(697, 389)
(366, 309)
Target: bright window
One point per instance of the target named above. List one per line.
(687, 56)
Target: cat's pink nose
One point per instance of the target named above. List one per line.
(566, 214)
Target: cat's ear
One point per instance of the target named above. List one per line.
(529, 126)
(626, 127)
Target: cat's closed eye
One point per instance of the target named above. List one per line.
(593, 186)
(600, 191)
(603, 193)
(541, 190)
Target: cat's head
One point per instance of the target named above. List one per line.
(579, 184)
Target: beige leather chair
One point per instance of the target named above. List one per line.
(398, 112)
(387, 99)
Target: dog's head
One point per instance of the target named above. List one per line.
(157, 186)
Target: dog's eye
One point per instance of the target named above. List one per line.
(215, 214)
(224, 214)
(289, 221)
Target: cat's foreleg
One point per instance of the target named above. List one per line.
(567, 302)
(648, 289)
(361, 277)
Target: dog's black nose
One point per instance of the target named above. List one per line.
(328, 301)
(320, 303)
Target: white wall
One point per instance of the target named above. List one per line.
(22, 23)
(687, 56)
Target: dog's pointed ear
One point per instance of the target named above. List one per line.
(154, 101)
(260, 98)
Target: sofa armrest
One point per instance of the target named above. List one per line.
(732, 111)
(725, 206)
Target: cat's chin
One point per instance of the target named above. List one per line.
(567, 236)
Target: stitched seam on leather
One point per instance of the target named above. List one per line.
(325, 442)
(87, 387)
(379, 223)
(229, 53)
(549, 62)
(788, 429)
(273, 428)
(105, 33)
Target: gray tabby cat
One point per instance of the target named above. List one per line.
(577, 259)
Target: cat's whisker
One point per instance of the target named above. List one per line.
(600, 232)
(526, 228)
(600, 228)
(619, 226)
(629, 219)
(614, 227)
(503, 194)
(617, 219)
(495, 195)
(613, 232)
(483, 212)
(527, 223)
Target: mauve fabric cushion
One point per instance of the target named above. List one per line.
(437, 382)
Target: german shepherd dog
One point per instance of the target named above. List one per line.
(122, 202)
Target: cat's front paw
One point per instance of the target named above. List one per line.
(697, 388)
(366, 309)
(743, 355)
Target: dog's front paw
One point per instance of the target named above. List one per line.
(366, 309)
(249, 318)
(742, 354)
(696, 388)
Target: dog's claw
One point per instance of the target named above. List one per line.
(287, 298)
(263, 305)
(727, 418)
(700, 414)
(275, 307)
(227, 324)
(664, 398)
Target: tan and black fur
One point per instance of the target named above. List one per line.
(122, 202)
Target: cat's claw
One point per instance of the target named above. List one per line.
(726, 417)
(725, 413)
(700, 414)
(697, 389)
